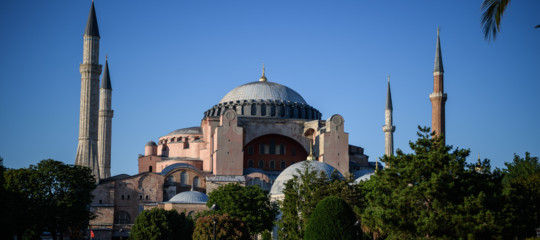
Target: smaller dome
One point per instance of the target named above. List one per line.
(288, 173)
(190, 197)
(151, 143)
(187, 131)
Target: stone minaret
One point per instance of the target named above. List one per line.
(388, 128)
(438, 96)
(105, 124)
(88, 121)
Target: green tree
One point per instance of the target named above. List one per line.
(492, 13)
(332, 219)
(304, 191)
(249, 204)
(51, 196)
(522, 189)
(434, 193)
(227, 227)
(160, 224)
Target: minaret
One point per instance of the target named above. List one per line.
(105, 124)
(388, 128)
(88, 121)
(438, 96)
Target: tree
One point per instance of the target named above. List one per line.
(332, 219)
(227, 227)
(51, 196)
(522, 190)
(249, 204)
(160, 224)
(304, 191)
(434, 193)
(492, 12)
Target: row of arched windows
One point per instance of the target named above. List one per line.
(272, 164)
(184, 176)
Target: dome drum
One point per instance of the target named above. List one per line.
(266, 109)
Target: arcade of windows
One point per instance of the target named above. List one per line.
(272, 164)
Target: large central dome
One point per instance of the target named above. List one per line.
(263, 90)
(264, 99)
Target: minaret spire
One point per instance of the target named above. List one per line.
(388, 128)
(91, 24)
(89, 109)
(438, 96)
(105, 123)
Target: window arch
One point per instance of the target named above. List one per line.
(282, 164)
(273, 110)
(250, 163)
(150, 168)
(261, 163)
(272, 164)
(196, 182)
(184, 178)
(123, 218)
(253, 109)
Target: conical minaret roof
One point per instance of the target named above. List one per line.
(106, 80)
(438, 56)
(91, 24)
(388, 97)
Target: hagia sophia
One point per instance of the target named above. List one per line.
(259, 133)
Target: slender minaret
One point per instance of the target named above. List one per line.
(438, 96)
(388, 128)
(105, 124)
(88, 121)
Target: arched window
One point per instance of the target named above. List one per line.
(273, 110)
(261, 163)
(250, 163)
(183, 178)
(282, 164)
(196, 182)
(123, 218)
(186, 142)
(272, 146)
(261, 148)
(272, 164)
(253, 109)
(281, 111)
(263, 109)
(150, 168)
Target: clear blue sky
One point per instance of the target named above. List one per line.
(171, 60)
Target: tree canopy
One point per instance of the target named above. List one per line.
(227, 227)
(160, 224)
(51, 196)
(434, 193)
(304, 191)
(249, 204)
(332, 219)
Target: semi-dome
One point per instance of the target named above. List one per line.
(264, 99)
(288, 173)
(263, 90)
(190, 197)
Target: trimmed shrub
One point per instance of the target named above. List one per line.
(332, 219)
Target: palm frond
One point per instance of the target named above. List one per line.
(492, 12)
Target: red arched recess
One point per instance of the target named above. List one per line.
(281, 150)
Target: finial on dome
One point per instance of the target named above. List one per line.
(263, 78)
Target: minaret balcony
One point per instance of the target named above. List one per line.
(389, 128)
(438, 95)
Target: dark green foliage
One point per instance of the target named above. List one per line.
(227, 227)
(522, 190)
(332, 219)
(249, 204)
(51, 196)
(160, 224)
(433, 193)
(492, 13)
(304, 191)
